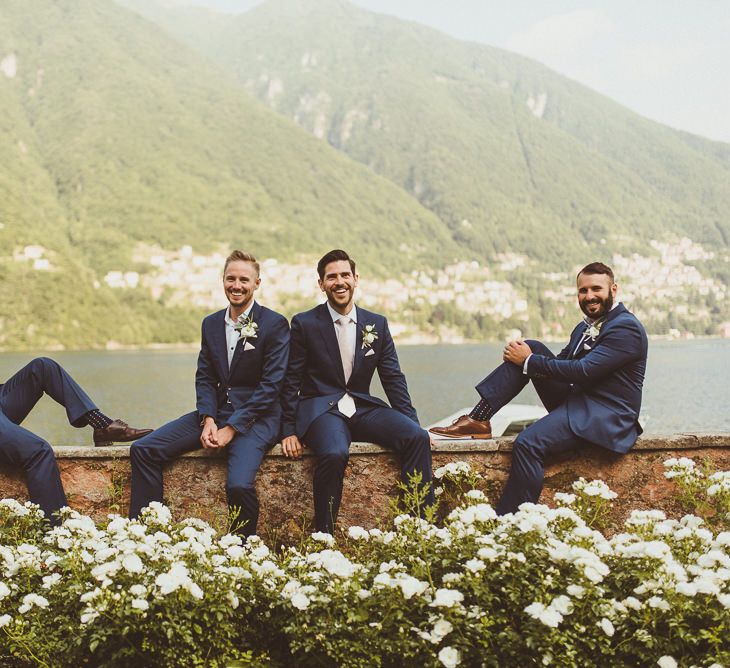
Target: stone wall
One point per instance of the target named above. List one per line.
(97, 479)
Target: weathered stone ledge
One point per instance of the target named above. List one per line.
(97, 480)
(655, 442)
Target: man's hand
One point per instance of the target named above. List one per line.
(291, 446)
(209, 437)
(225, 435)
(516, 352)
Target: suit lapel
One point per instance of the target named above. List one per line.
(327, 331)
(238, 352)
(363, 318)
(575, 341)
(218, 343)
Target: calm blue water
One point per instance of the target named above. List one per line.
(687, 386)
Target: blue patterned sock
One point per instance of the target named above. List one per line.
(482, 411)
(97, 419)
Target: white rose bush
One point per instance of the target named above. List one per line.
(539, 587)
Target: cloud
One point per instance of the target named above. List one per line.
(560, 35)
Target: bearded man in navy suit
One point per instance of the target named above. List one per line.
(592, 388)
(335, 350)
(241, 367)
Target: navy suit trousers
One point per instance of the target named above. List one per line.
(330, 435)
(550, 435)
(20, 447)
(245, 454)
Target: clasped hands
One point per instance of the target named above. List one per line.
(213, 438)
(516, 352)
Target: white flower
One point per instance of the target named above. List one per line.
(564, 499)
(140, 604)
(667, 662)
(5, 620)
(322, 537)
(132, 563)
(48, 582)
(410, 586)
(441, 629)
(449, 657)
(607, 627)
(594, 488)
(246, 327)
(138, 590)
(4, 590)
(474, 565)
(575, 590)
(358, 533)
(548, 616)
(369, 336)
(30, 600)
(300, 601)
(562, 604)
(475, 494)
(446, 598)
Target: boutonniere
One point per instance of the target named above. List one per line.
(369, 335)
(246, 327)
(592, 332)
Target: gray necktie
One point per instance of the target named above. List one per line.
(346, 404)
(344, 341)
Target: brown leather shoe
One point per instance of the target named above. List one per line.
(119, 432)
(465, 427)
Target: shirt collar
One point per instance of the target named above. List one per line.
(246, 313)
(336, 316)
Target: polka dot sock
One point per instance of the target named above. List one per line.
(482, 411)
(97, 419)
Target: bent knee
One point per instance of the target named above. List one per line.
(37, 451)
(537, 346)
(523, 447)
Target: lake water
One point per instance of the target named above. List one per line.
(686, 388)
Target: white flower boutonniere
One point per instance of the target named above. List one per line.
(591, 333)
(369, 335)
(246, 328)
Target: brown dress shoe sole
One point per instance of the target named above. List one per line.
(463, 437)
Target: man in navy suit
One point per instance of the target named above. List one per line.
(335, 350)
(22, 448)
(592, 388)
(241, 367)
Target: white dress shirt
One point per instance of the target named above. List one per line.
(232, 336)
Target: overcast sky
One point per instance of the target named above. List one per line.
(666, 59)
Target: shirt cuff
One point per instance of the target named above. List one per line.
(524, 366)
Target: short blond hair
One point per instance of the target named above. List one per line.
(241, 256)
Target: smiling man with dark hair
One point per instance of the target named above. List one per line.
(335, 350)
(592, 388)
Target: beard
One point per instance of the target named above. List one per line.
(606, 305)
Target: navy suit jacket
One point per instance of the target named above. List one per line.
(315, 380)
(605, 398)
(253, 382)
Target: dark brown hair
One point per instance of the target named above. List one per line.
(597, 268)
(334, 256)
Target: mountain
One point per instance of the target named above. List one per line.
(116, 135)
(509, 154)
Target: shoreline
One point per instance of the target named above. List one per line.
(410, 341)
